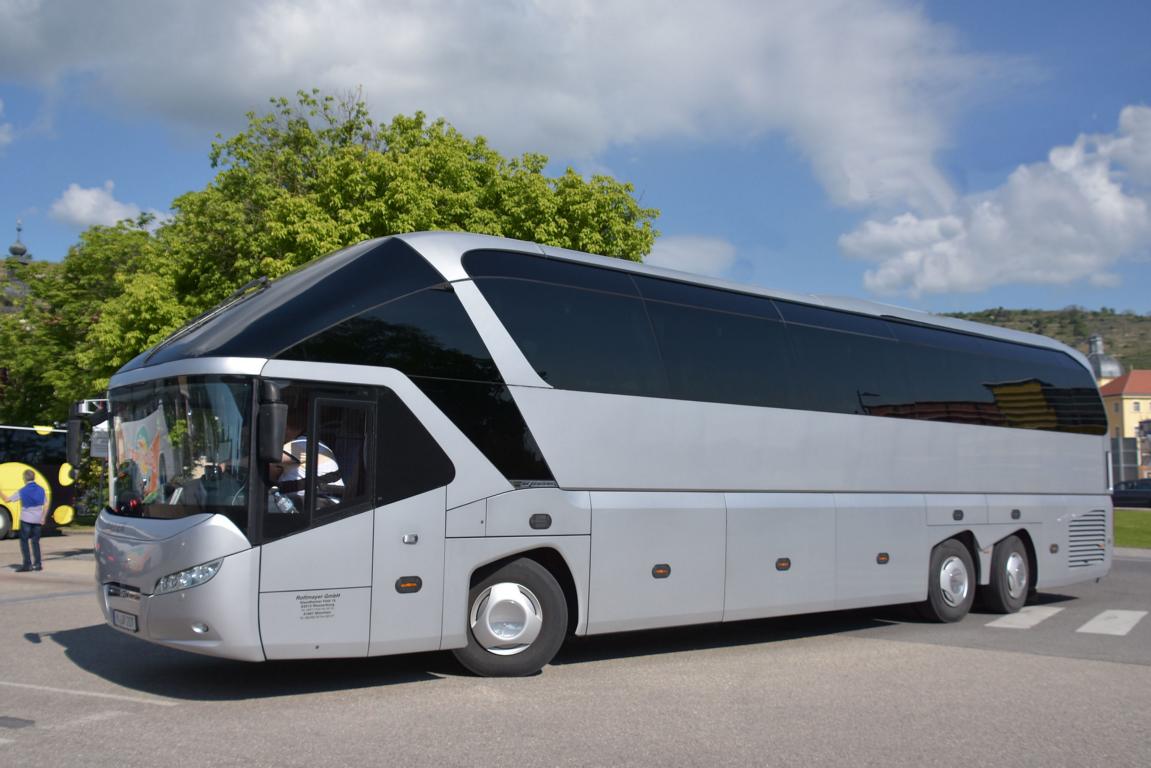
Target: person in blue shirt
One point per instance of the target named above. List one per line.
(33, 506)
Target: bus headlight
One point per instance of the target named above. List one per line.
(189, 577)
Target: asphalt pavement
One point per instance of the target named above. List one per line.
(1063, 688)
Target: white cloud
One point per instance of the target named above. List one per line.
(1131, 149)
(6, 135)
(82, 207)
(861, 87)
(1069, 219)
(689, 253)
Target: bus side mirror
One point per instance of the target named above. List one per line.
(273, 423)
(73, 448)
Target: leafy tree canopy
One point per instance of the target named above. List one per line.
(309, 176)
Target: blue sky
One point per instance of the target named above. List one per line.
(944, 155)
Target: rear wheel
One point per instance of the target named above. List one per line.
(1010, 577)
(950, 584)
(517, 620)
(5, 522)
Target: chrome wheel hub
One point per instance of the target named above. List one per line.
(506, 618)
(953, 581)
(1016, 575)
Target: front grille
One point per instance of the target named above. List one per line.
(112, 589)
(1088, 539)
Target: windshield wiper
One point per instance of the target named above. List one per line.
(250, 288)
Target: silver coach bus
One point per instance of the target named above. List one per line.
(452, 441)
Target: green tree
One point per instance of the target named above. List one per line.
(318, 174)
(311, 175)
(26, 393)
(52, 345)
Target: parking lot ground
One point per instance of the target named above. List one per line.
(856, 688)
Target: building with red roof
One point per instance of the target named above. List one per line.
(1128, 403)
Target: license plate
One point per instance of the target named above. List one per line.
(124, 620)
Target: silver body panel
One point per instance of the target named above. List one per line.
(757, 511)
(132, 555)
(514, 367)
(412, 621)
(762, 528)
(315, 591)
(649, 443)
(633, 533)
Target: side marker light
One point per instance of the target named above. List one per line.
(408, 584)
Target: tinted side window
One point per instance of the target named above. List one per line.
(409, 462)
(580, 339)
(323, 473)
(346, 450)
(819, 317)
(954, 386)
(423, 334)
(489, 417)
(547, 270)
(340, 459)
(722, 358)
(304, 302)
(958, 377)
(1074, 397)
(29, 447)
(655, 289)
(847, 372)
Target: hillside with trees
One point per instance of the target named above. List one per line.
(1126, 335)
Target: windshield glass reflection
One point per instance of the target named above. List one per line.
(180, 447)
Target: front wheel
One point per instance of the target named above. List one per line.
(1010, 577)
(5, 523)
(950, 584)
(517, 620)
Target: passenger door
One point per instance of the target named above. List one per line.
(412, 476)
(316, 575)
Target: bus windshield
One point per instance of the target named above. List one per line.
(180, 447)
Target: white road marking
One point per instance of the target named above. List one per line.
(86, 720)
(117, 697)
(1116, 623)
(5, 741)
(1026, 618)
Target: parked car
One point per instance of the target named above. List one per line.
(1132, 493)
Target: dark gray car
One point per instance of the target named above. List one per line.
(1132, 493)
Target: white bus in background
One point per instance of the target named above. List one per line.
(533, 443)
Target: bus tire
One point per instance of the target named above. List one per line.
(517, 621)
(5, 523)
(950, 583)
(1010, 583)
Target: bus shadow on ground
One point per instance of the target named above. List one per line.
(700, 637)
(139, 666)
(755, 632)
(152, 669)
